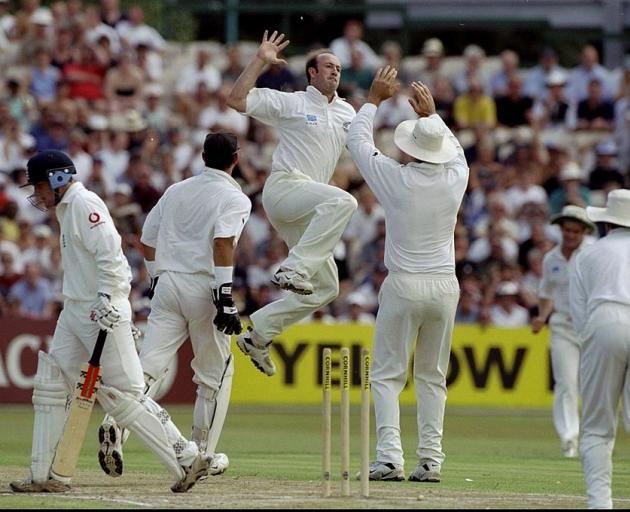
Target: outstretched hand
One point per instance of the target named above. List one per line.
(384, 85)
(271, 47)
(422, 100)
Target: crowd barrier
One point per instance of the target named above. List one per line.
(488, 367)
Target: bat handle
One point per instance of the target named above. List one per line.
(95, 360)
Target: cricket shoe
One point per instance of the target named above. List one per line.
(259, 355)
(570, 449)
(427, 470)
(110, 455)
(292, 281)
(386, 471)
(193, 473)
(27, 485)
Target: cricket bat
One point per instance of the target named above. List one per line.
(69, 446)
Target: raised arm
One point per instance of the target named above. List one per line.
(423, 104)
(267, 54)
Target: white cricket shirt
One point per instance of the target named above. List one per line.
(420, 200)
(601, 274)
(189, 216)
(91, 254)
(311, 131)
(554, 284)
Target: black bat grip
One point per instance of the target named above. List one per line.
(95, 360)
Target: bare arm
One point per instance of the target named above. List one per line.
(544, 310)
(149, 252)
(267, 54)
(223, 252)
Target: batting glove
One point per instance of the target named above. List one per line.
(226, 319)
(154, 281)
(105, 313)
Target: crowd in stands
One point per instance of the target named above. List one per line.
(88, 79)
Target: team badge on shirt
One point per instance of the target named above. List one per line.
(311, 119)
(95, 220)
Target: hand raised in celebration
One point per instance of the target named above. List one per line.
(271, 47)
(384, 85)
(422, 100)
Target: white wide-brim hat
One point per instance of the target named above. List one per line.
(425, 139)
(574, 213)
(616, 211)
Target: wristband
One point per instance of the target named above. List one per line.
(150, 266)
(222, 275)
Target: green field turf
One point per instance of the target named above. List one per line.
(491, 453)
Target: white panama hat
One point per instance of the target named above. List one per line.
(425, 139)
(574, 213)
(616, 211)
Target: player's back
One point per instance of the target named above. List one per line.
(189, 212)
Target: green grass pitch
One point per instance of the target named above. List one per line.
(495, 458)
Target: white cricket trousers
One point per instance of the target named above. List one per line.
(181, 307)
(416, 312)
(75, 337)
(310, 217)
(604, 380)
(565, 362)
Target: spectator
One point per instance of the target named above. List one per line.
(43, 77)
(124, 84)
(571, 190)
(551, 111)
(392, 56)
(513, 109)
(278, 77)
(475, 109)
(444, 99)
(356, 312)
(111, 13)
(8, 272)
(535, 84)
(40, 34)
(606, 169)
(234, 65)
(468, 308)
(95, 29)
(84, 73)
(506, 312)
(201, 71)
(355, 76)
(433, 53)
(595, 112)
(474, 59)
(134, 30)
(342, 46)
(499, 82)
(32, 295)
(583, 74)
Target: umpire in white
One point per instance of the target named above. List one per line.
(553, 305)
(600, 309)
(96, 285)
(188, 240)
(418, 299)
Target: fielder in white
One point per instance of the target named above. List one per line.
(96, 285)
(418, 299)
(188, 240)
(553, 304)
(599, 292)
(309, 214)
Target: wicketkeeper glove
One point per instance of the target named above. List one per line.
(226, 319)
(104, 313)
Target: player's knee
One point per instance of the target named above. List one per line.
(348, 204)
